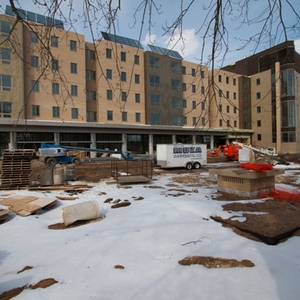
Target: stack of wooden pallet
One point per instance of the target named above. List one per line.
(16, 168)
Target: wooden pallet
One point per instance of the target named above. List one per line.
(16, 168)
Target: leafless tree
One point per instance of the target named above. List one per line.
(276, 21)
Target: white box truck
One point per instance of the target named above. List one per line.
(181, 155)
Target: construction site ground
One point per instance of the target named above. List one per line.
(274, 222)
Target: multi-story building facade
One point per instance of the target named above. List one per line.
(224, 100)
(59, 88)
(274, 83)
(54, 81)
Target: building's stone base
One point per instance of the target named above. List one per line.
(244, 182)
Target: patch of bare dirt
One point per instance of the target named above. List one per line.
(25, 269)
(215, 262)
(92, 171)
(186, 179)
(121, 204)
(59, 226)
(119, 267)
(44, 283)
(270, 222)
(291, 179)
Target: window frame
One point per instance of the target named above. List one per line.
(55, 112)
(176, 102)
(154, 61)
(108, 53)
(55, 88)
(5, 28)
(54, 41)
(155, 119)
(73, 45)
(137, 98)
(5, 56)
(136, 59)
(35, 110)
(124, 96)
(154, 80)
(138, 117)
(91, 116)
(74, 113)
(54, 65)
(124, 116)
(35, 86)
(109, 73)
(123, 56)
(123, 76)
(90, 95)
(176, 84)
(5, 109)
(109, 94)
(175, 66)
(73, 68)
(34, 38)
(34, 61)
(154, 100)
(137, 78)
(3, 79)
(74, 90)
(109, 115)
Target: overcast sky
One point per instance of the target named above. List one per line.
(191, 45)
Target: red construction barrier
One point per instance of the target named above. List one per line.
(284, 195)
(257, 167)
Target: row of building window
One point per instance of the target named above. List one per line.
(176, 102)
(175, 84)
(34, 38)
(122, 56)
(90, 74)
(286, 137)
(90, 95)
(227, 108)
(227, 95)
(154, 62)
(227, 79)
(227, 123)
(90, 54)
(55, 112)
(288, 107)
(155, 119)
(91, 115)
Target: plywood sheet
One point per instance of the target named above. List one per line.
(26, 205)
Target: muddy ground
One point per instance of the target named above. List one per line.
(281, 219)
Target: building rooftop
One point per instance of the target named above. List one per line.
(121, 40)
(30, 16)
(164, 51)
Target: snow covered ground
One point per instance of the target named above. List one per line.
(147, 238)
